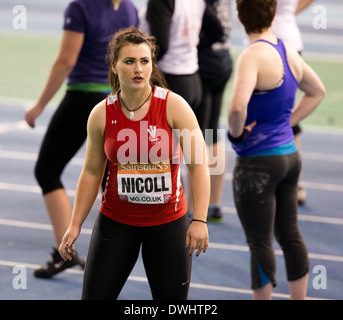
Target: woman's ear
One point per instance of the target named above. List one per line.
(113, 68)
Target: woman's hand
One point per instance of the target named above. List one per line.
(66, 248)
(197, 237)
(250, 126)
(32, 114)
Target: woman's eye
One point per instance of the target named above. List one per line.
(145, 61)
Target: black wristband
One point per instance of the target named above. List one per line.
(199, 221)
(238, 139)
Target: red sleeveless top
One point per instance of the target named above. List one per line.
(144, 180)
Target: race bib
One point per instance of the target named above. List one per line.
(145, 183)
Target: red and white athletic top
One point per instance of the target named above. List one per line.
(144, 180)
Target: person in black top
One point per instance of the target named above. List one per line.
(176, 25)
(215, 66)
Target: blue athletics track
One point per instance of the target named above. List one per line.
(222, 273)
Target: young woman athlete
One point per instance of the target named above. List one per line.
(143, 206)
(265, 177)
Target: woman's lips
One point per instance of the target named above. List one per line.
(137, 79)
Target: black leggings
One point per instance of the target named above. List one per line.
(265, 195)
(115, 247)
(187, 86)
(209, 110)
(66, 133)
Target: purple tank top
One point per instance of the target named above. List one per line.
(272, 111)
(98, 21)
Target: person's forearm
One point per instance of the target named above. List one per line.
(59, 72)
(86, 193)
(306, 105)
(302, 5)
(236, 120)
(159, 16)
(201, 191)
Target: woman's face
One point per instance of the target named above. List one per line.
(134, 66)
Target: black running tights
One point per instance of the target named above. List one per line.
(66, 133)
(265, 194)
(114, 250)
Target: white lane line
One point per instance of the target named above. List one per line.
(214, 245)
(13, 126)
(322, 156)
(309, 184)
(12, 264)
(26, 188)
(34, 225)
(302, 217)
(322, 186)
(305, 217)
(21, 126)
(35, 189)
(30, 156)
(241, 248)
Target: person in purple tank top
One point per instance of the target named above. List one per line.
(261, 114)
(88, 27)
(285, 26)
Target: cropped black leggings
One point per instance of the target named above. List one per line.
(265, 195)
(115, 247)
(66, 133)
(208, 113)
(188, 87)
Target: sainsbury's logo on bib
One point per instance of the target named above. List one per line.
(145, 183)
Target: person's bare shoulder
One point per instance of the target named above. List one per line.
(178, 110)
(97, 117)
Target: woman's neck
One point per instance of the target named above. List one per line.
(134, 98)
(265, 35)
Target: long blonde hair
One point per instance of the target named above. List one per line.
(134, 36)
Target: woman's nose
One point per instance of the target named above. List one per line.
(138, 69)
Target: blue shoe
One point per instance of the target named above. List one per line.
(215, 215)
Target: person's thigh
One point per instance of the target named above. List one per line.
(167, 262)
(112, 254)
(65, 134)
(287, 231)
(254, 185)
(187, 86)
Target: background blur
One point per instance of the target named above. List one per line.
(26, 55)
